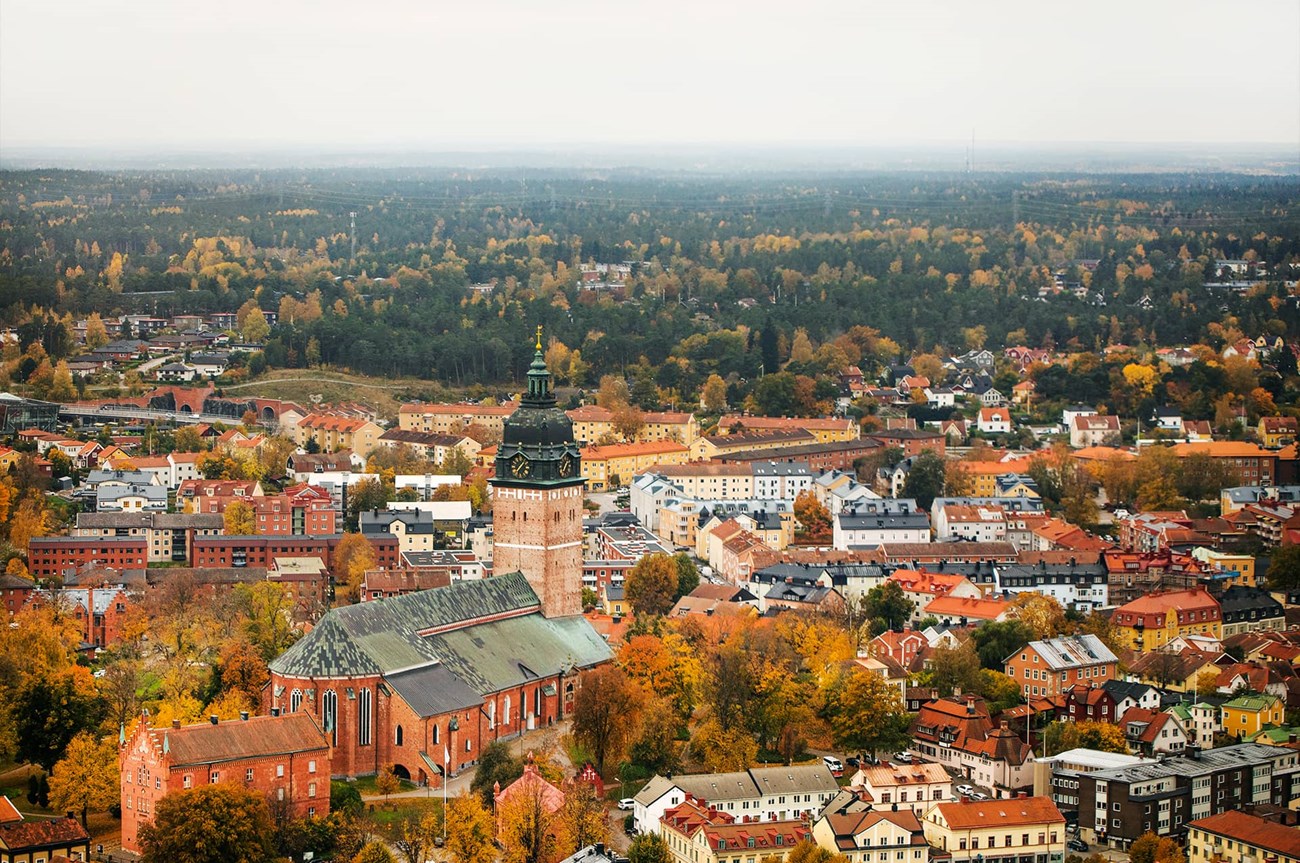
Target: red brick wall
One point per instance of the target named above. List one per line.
(47, 558)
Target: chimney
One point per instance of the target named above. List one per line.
(243, 716)
(176, 723)
(213, 719)
(970, 705)
(275, 711)
(965, 798)
(600, 849)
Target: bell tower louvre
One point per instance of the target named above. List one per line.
(537, 497)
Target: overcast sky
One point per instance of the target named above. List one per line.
(162, 74)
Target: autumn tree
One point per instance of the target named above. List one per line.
(470, 831)
(581, 821)
(887, 603)
(253, 327)
(1040, 612)
(353, 556)
(86, 777)
(713, 395)
(374, 851)
(387, 783)
(50, 711)
(267, 612)
(651, 585)
(209, 824)
(526, 827)
(604, 712)
(1103, 736)
(866, 712)
(96, 332)
(723, 749)
(954, 669)
(808, 851)
(1150, 848)
(649, 848)
(812, 516)
(418, 833)
(239, 519)
(1284, 568)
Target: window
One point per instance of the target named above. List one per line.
(505, 711)
(248, 775)
(397, 736)
(185, 782)
(364, 714)
(311, 789)
(311, 766)
(329, 708)
(279, 771)
(215, 777)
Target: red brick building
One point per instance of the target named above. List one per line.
(912, 441)
(263, 551)
(1053, 666)
(302, 514)
(100, 612)
(820, 457)
(52, 556)
(284, 757)
(14, 591)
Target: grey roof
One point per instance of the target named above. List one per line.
(810, 593)
(1239, 601)
(1122, 689)
(1207, 761)
(744, 785)
(1072, 651)
(127, 477)
(383, 637)
(110, 493)
(1011, 504)
(159, 520)
(432, 690)
(892, 513)
(379, 521)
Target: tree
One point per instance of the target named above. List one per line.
(1150, 848)
(1043, 614)
(50, 711)
(96, 332)
(496, 765)
(604, 712)
(688, 574)
(713, 396)
(581, 821)
(87, 776)
(526, 828)
(209, 824)
(888, 603)
(353, 556)
(374, 852)
(469, 831)
(239, 519)
(812, 516)
(999, 690)
(651, 585)
(809, 851)
(955, 668)
(267, 610)
(1284, 568)
(1104, 736)
(649, 848)
(925, 479)
(866, 713)
(724, 749)
(253, 327)
(387, 783)
(996, 640)
(62, 389)
(416, 835)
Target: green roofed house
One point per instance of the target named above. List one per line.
(1247, 715)
(422, 681)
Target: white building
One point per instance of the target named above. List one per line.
(866, 523)
(757, 794)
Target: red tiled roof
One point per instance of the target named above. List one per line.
(1252, 830)
(1019, 811)
(44, 833)
(236, 740)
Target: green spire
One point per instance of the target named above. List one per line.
(539, 377)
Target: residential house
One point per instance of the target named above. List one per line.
(608, 467)
(1241, 837)
(1087, 430)
(1277, 432)
(1247, 715)
(825, 430)
(912, 786)
(962, 611)
(455, 418)
(994, 420)
(1250, 609)
(1090, 703)
(763, 794)
(1021, 828)
(1051, 666)
(1153, 734)
(1154, 620)
(1179, 671)
(923, 586)
(38, 840)
(958, 734)
(286, 757)
(696, 833)
(867, 835)
(332, 433)
(872, 522)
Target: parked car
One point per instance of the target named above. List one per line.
(852, 761)
(905, 757)
(626, 803)
(1077, 844)
(833, 764)
(870, 759)
(979, 795)
(967, 790)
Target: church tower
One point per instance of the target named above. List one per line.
(537, 497)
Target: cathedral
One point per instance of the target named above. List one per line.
(427, 679)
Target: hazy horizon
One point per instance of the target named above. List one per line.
(155, 77)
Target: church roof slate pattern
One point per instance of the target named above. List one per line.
(382, 637)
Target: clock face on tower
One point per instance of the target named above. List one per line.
(566, 466)
(520, 466)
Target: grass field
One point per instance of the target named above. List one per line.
(301, 385)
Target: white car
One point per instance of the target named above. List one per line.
(626, 803)
(905, 757)
(966, 790)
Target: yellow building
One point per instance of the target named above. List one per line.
(1018, 828)
(1246, 715)
(1152, 621)
(875, 836)
(454, 418)
(333, 433)
(1237, 837)
(1277, 432)
(592, 423)
(606, 467)
(825, 429)
(1241, 564)
(716, 446)
(695, 834)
